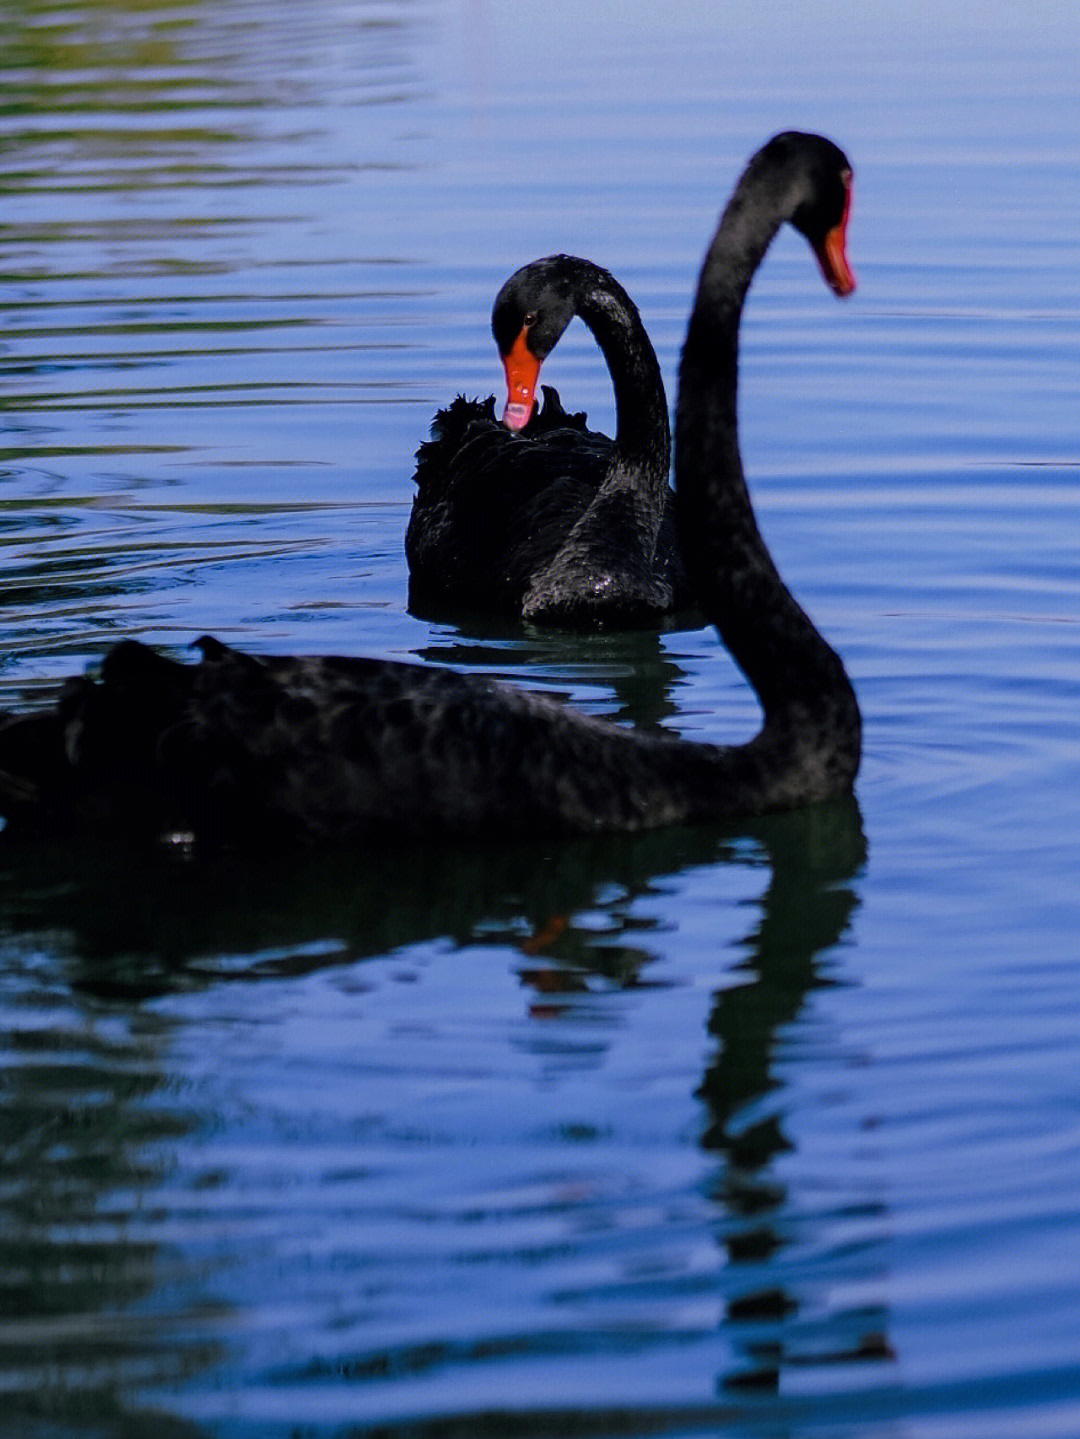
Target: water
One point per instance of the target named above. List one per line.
(769, 1131)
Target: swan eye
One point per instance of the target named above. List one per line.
(530, 319)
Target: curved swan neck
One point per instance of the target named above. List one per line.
(642, 435)
(797, 676)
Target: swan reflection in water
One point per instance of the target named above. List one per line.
(125, 932)
(634, 680)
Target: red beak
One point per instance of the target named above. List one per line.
(522, 372)
(832, 254)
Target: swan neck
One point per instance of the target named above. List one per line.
(793, 670)
(642, 432)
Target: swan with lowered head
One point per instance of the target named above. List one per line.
(540, 517)
(240, 746)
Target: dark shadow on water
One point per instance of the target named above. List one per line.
(632, 664)
(118, 929)
(136, 924)
(805, 913)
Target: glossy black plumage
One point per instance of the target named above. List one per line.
(239, 747)
(554, 523)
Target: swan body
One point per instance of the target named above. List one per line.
(342, 748)
(539, 516)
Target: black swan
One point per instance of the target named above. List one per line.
(240, 747)
(540, 517)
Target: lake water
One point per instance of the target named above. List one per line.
(768, 1132)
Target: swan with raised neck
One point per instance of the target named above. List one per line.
(342, 748)
(812, 729)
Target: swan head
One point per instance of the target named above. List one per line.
(531, 312)
(820, 178)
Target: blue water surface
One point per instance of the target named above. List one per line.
(769, 1131)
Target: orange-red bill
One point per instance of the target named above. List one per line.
(522, 372)
(832, 254)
